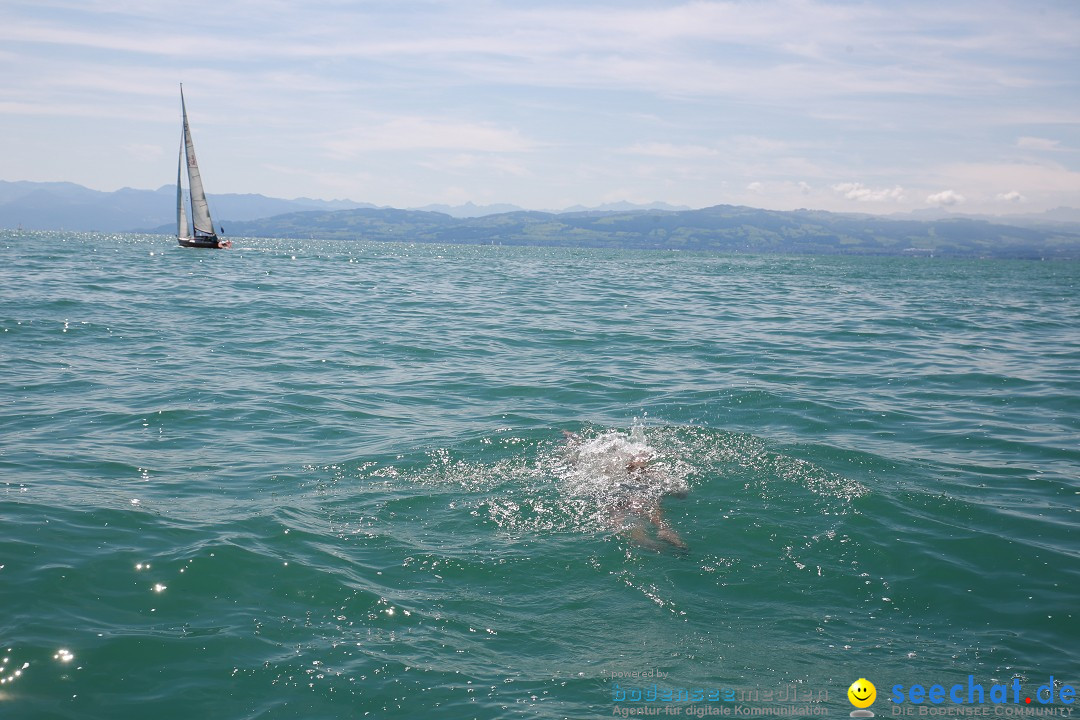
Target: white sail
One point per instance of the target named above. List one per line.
(200, 211)
(181, 214)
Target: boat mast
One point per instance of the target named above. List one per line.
(200, 211)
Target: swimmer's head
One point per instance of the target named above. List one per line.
(639, 461)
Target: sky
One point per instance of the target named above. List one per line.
(883, 107)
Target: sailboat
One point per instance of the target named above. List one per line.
(199, 233)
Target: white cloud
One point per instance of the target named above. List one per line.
(1035, 143)
(862, 193)
(417, 133)
(1044, 184)
(668, 150)
(1011, 197)
(760, 145)
(472, 163)
(755, 187)
(945, 198)
(146, 152)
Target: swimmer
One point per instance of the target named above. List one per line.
(629, 487)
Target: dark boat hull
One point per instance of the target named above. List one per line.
(211, 243)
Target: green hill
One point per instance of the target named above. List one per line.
(722, 228)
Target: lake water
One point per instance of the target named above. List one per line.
(305, 479)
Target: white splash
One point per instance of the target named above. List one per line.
(614, 467)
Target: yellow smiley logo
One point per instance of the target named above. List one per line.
(862, 693)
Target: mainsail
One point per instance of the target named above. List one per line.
(181, 214)
(200, 211)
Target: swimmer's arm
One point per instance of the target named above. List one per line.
(664, 531)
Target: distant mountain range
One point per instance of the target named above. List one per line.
(66, 206)
(469, 210)
(723, 228)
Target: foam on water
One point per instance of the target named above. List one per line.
(548, 485)
(608, 466)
